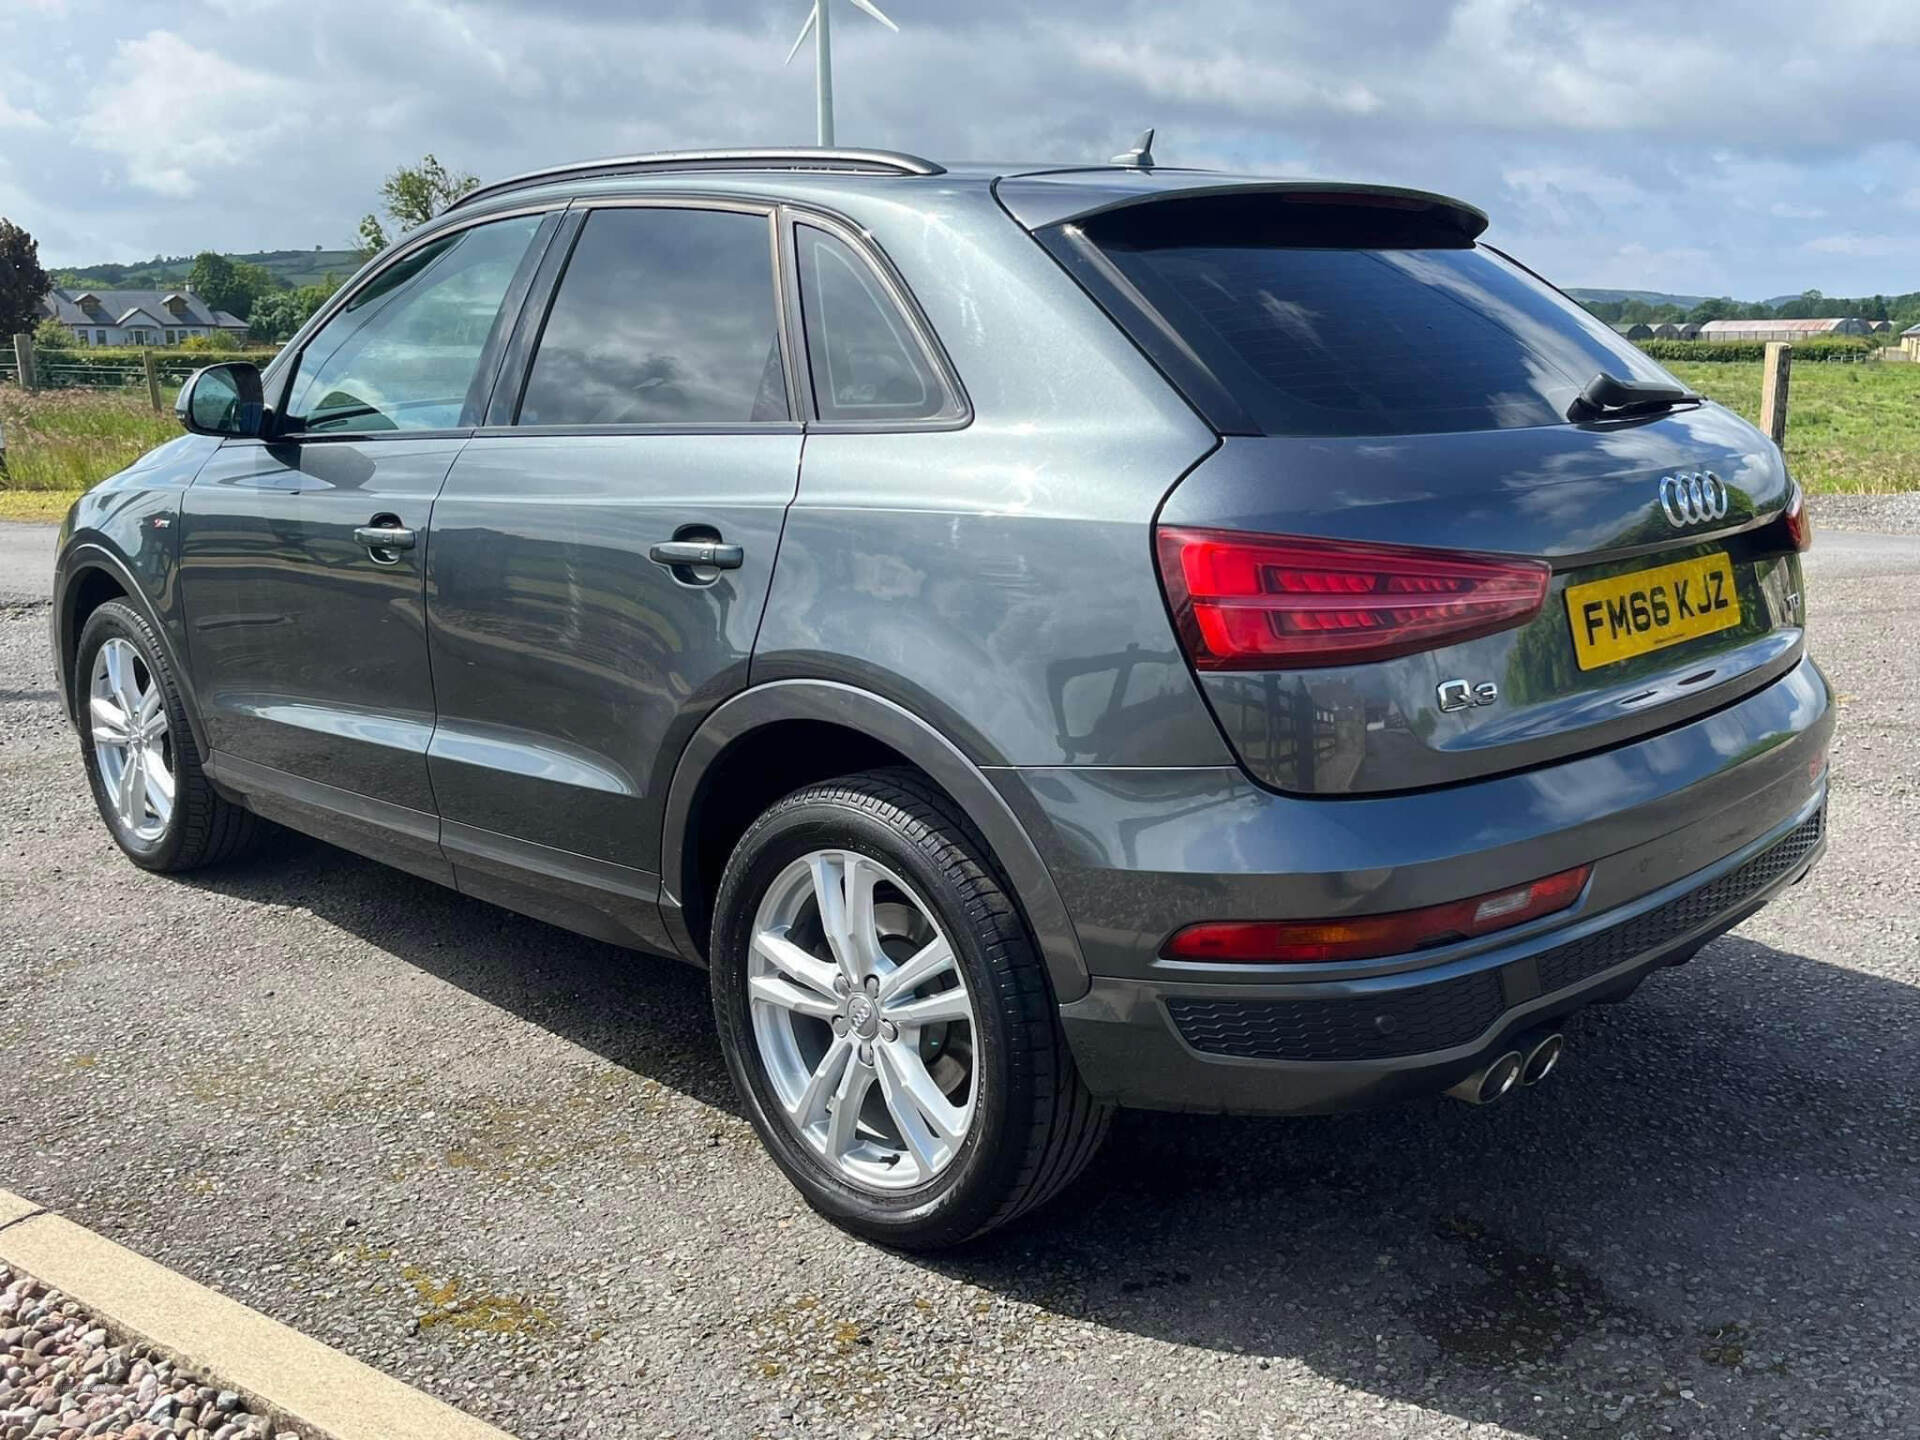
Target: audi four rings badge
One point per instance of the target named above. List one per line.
(1693, 498)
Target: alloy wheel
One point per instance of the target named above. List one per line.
(132, 741)
(863, 1021)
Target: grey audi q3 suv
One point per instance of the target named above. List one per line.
(1045, 639)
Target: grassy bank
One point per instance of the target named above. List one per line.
(59, 442)
(1851, 429)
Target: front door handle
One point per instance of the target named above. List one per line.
(710, 553)
(384, 542)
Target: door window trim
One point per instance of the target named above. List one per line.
(284, 368)
(906, 307)
(502, 414)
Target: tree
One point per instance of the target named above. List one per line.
(257, 280)
(411, 196)
(50, 336)
(218, 281)
(23, 284)
(275, 317)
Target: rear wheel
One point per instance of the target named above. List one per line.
(140, 756)
(887, 1020)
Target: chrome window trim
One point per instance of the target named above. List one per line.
(694, 200)
(868, 249)
(279, 375)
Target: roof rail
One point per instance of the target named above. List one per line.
(855, 162)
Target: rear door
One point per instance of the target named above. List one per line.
(1386, 385)
(602, 552)
(303, 555)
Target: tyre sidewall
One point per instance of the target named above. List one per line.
(965, 1195)
(118, 620)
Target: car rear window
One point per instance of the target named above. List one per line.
(1313, 331)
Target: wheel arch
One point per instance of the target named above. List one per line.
(874, 731)
(89, 576)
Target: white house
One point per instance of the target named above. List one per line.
(137, 317)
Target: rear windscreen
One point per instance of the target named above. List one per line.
(1351, 339)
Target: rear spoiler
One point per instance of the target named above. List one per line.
(1039, 200)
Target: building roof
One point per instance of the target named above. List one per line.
(1911, 330)
(1770, 327)
(132, 305)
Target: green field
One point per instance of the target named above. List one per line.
(59, 442)
(1850, 428)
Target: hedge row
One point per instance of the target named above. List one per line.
(1841, 348)
(123, 366)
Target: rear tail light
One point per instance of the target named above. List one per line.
(1364, 937)
(1798, 522)
(1275, 602)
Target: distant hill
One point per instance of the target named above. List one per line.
(292, 268)
(1650, 297)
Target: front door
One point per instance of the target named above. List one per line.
(574, 648)
(303, 555)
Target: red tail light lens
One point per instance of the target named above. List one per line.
(1276, 602)
(1363, 937)
(1798, 522)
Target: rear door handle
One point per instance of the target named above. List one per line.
(698, 552)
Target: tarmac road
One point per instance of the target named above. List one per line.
(348, 1097)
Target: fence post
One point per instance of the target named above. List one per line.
(23, 353)
(153, 378)
(1774, 374)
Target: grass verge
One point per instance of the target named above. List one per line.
(60, 442)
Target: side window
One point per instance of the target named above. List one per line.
(663, 317)
(867, 363)
(404, 353)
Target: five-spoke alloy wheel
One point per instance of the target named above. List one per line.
(139, 749)
(888, 1020)
(131, 740)
(862, 1019)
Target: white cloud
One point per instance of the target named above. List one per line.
(1852, 243)
(13, 117)
(1604, 143)
(173, 112)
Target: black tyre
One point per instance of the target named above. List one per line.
(140, 756)
(934, 1099)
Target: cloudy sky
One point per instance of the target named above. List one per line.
(1745, 147)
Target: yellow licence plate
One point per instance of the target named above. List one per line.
(1649, 610)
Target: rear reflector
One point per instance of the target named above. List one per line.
(1276, 602)
(1364, 937)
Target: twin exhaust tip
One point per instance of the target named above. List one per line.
(1535, 1057)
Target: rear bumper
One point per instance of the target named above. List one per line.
(1301, 1049)
(1688, 832)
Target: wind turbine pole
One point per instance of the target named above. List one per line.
(823, 68)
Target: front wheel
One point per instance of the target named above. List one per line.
(141, 761)
(887, 1020)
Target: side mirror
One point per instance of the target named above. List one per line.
(223, 400)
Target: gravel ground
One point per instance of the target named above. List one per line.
(62, 1379)
(1889, 514)
(503, 1164)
